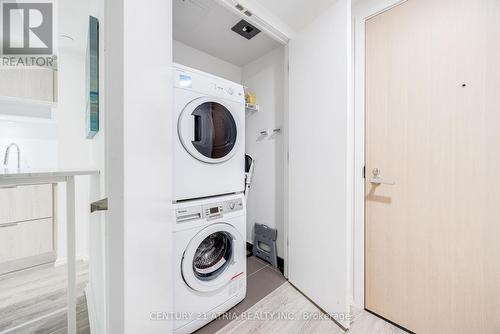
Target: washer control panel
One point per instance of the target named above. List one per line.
(213, 210)
(188, 214)
(234, 205)
(208, 211)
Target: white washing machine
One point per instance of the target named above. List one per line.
(209, 149)
(210, 260)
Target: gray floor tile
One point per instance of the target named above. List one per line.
(254, 265)
(262, 280)
(260, 285)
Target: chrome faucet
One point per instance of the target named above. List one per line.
(7, 154)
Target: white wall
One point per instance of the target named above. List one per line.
(188, 56)
(265, 77)
(37, 141)
(96, 290)
(319, 225)
(140, 179)
(114, 17)
(75, 151)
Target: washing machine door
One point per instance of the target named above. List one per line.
(209, 130)
(209, 259)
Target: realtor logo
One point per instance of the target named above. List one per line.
(27, 28)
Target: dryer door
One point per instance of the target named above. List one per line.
(209, 130)
(210, 257)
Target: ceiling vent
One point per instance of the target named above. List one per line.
(282, 34)
(203, 4)
(245, 29)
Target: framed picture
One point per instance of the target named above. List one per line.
(92, 69)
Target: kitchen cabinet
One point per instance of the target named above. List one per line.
(27, 227)
(32, 83)
(24, 203)
(25, 239)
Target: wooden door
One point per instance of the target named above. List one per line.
(433, 130)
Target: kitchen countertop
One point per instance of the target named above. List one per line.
(11, 174)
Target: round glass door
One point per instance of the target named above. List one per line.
(208, 130)
(214, 130)
(213, 256)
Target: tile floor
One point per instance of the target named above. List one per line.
(262, 279)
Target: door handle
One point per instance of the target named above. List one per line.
(197, 129)
(378, 180)
(101, 205)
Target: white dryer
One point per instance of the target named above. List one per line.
(210, 260)
(209, 149)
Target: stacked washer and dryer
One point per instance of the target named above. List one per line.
(209, 208)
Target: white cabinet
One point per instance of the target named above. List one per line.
(25, 203)
(33, 83)
(28, 92)
(27, 227)
(25, 239)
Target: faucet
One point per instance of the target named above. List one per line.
(7, 153)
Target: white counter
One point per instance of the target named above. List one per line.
(10, 174)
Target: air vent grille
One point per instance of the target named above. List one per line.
(245, 29)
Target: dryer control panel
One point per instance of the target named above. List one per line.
(191, 79)
(208, 211)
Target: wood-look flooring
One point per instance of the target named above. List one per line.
(34, 301)
(291, 305)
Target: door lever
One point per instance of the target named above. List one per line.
(377, 179)
(101, 205)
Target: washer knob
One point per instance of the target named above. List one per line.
(232, 205)
(230, 91)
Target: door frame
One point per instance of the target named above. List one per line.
(361, 13)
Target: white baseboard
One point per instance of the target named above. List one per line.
(27, 262)
(91, 309)
(63, 261)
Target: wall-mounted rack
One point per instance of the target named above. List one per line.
(252, 107)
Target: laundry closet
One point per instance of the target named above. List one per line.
(290, 87)
(211, 37)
